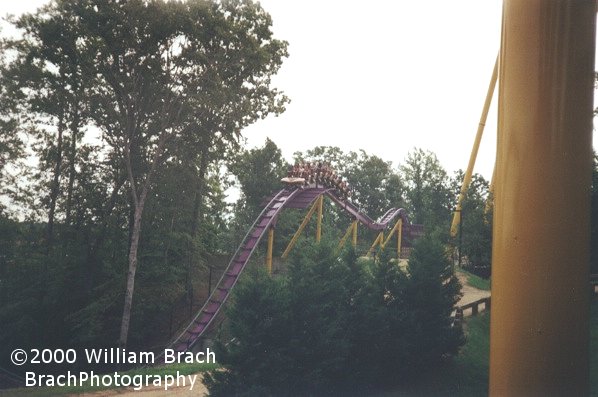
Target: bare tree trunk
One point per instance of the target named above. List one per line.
(72, 158)
(126, 319)
(139, 204)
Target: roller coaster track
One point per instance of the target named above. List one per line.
(286, 198)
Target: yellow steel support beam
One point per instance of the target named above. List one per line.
(270, 249)
(379, 239)
(474, 151)
(350, 230)
(320, 203)
(399, 238)
(354, 234)
(295, 237)
(539, 334)
(392, 232)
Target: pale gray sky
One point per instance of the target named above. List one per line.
(384, 76)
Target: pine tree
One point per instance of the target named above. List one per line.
(432, 291)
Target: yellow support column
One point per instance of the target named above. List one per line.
(320, 213)
(474, 151)
(379, 240)
(354, 236)
(350, 230)
(539, 335)
(297, 234)
(399, 238)
(270, 249)
(396, 227)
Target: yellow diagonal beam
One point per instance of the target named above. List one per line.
(399, 238)
(474, 151)
(350, 230)
(306, 219)
(377, 241)
(320, 203)
(392, 232)
(270, 249)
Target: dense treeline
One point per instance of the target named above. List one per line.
(339, 326)
(126, 111)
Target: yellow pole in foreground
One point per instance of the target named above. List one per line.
(474, 151)
(319, 224)
(539, 335)
(270, 249)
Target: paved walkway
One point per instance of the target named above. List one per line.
(470, 294)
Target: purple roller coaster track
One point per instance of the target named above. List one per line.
(289, 197)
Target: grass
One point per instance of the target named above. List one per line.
(183, 369)
(477, 281)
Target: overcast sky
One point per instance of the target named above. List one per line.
(384, 76)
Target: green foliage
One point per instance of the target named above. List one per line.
(475, 240)
(259, 172)
(465, 375)
(261, 317)
(428, 196)
(432, 292)
(339, 324)
(121, 102)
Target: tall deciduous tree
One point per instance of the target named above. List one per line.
(165, 79)
(427, 191)
(11, 144)
(47, 81)
(259, 171)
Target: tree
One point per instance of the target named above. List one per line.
(259, 172)
(166, 79)
(475, 241)
(11, 143)
(292, 333)
(430, 296)
(377, 186)
(259, 363)
(334, 325)
(427, 193)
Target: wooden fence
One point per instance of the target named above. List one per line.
(473, 308)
